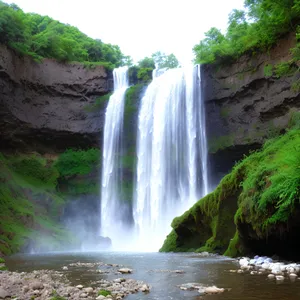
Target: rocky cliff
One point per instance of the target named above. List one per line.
(42, 104)
(247, 103)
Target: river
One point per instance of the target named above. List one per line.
(154, 268)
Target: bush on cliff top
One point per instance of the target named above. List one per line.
(265, 189)
(253, 30)
(43, 37)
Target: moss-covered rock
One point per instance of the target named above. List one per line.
(255, 208)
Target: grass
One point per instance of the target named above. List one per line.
(104, 293)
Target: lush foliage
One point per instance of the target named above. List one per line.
(79, 162)
(255, 29)
(41, 37)
(33, 190)
(28, 203)
(163, 60)
(262, 192)
(142, 72)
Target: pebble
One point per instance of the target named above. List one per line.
(88, 290)
(40, 284)
(279, 278)
(145, 288)
(36, 285)
(3, 293)
(83, 295)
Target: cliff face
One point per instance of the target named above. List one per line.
(43, 104)
(246, 104)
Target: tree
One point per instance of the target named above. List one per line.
(165, 61)
(147, 62)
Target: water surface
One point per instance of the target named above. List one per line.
(152, 267)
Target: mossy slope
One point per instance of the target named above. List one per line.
(253, 208)
(35, 189)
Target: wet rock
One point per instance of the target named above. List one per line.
(125, 271)
(83, 295)
(213, 290)
(179, 271)
(65, 268)
(145, 288)
(79, 286)
(100, 297)
(88, 290)
(190, 286)
(271, 276)
(279, 278)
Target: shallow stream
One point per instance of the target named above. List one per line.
(154, 268)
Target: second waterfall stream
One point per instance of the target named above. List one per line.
(171, 149)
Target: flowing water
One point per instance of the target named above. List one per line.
(153, 268)
(112, 223)
(171, 151)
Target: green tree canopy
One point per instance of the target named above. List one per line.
(255, 29)
(163, 60)
(43, 37)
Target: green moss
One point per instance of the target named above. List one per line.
(261, 191)
(2, 261)
(29, 203)
(296, 86)
(286, 68)
(77, 162)
(224, 112)
(170, 243)
(100, 103)
(219, 143)
(268, 70)
(104, 293)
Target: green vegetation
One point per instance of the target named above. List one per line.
(219, 143)
(162, 60)
(28, 203)
(142, 72)
(56, 296)
(33, 191)
(259, 194)
(253, 30)
(79, 162)
(42, 37)
(268, 70)
(104, 293)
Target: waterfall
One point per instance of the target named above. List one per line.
(171, 152)
(112, 207)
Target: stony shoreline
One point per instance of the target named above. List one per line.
(54, 285)
(273, 269)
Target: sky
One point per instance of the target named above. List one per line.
(140, 27)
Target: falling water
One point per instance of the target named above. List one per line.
(112, 207)
(172, 153)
